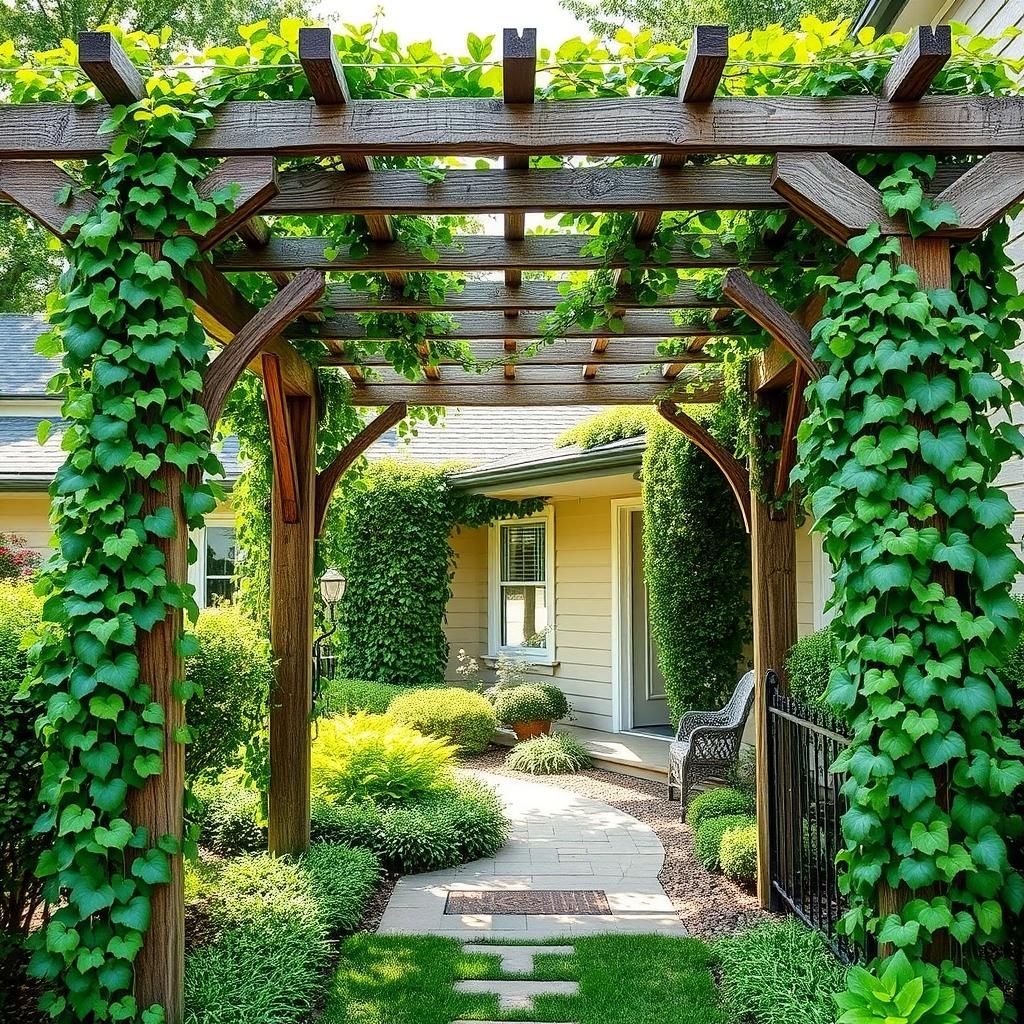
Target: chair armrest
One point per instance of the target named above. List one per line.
(695, 719)
(700, 741)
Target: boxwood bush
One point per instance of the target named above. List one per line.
(779, 972)
(707, 843)
(437, 831)
(738, 854)
(230, 817)
(716, 802)
(558, 754)
(347, 696)
(808, 665)
(462, 717)
(530, 702)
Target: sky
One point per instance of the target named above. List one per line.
(446, 23)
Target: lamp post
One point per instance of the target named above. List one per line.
(332, 590)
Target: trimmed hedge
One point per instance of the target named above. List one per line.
(714, 803)
(558, 754)
(809, 663)
(347, 696)
(437, 831)
(738, 854)
(779, 972)
(462, 717)
(272, 920)
(707, 843)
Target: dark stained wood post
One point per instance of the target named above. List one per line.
(291, 634)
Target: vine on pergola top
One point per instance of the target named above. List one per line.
(906, 345)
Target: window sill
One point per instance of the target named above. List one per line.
(543, 668)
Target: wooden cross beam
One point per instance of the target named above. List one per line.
(282, 445)
(110, 69)
(796, 409)
(735, 474)
(917, 64)
(327, 479)
(33, 187)
(256, 177)
(480, 252)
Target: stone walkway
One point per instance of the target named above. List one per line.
(560, 842)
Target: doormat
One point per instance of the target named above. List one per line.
(533, 902)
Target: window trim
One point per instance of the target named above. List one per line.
(197, 570)
(537, 656)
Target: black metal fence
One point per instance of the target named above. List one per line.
(806, 805)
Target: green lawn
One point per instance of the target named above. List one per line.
(645, 979)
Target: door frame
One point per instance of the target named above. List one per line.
(622, 612)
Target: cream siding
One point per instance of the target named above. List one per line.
(806, 613)
(466, 614)
(28, 516)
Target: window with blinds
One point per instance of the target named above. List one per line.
(522, 586)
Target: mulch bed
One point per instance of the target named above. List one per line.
(710, 906)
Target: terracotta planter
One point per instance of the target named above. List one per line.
(530, 730)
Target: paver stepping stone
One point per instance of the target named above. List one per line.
(518, 995)
(517, 959)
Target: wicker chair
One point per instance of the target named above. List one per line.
(707, 743)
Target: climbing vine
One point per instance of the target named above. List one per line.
(900, 471)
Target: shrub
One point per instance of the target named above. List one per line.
(707, 843)
(437, 831)
(557, 754)
(715, 803)
(611, 425)
(531, 702)
(738, 854)
(370, 757)
(20, 771)
(347, 696)
(809, 663)
(230, 815)
(233, 673)
(465, 719)
(779, 972)
(273, 919)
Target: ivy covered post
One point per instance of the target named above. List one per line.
(900, 472)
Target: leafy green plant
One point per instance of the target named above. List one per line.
(231, 672)
(901, 993)
(465, 719)
(16, 561)
(809, 664)
(530, 702)
(738, 854)
(715, 803)
(558, 754)
(437, 831)
(372, 757)
(341, 881)
(347, 696)
(229, 817)
(707, 840)
(610, 425)
(779, 972)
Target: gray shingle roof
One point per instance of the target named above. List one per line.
(23, 372)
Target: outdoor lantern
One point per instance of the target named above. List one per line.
(332, 587)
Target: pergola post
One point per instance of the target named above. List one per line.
(291, 621)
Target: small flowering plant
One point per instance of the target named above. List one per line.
(16, 561)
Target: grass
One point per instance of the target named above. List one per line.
(634, 979)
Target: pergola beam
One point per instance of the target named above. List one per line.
(33, 187)
(256, 177)
(282, 446)
(327, 479)
(917, 64)
(110, 69)
(796, 409)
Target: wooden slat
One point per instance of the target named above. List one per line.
(633, 352)
(636, 324)
(735, 475)
(796, 409)
(493, 295)
(705, 62)
(768, 314)
(578, 393)
(917, 64)
(479, 252)
(327, 479)
(109, 68)
(282, 446)
(33, 185)
(256, 177)
(319, 59)
(587, 127)
(266, 325)
(582, 189)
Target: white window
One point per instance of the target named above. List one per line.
(522, 588)
(214, 573)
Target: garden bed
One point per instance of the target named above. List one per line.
(709, 905)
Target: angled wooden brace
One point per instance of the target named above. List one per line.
(256, 177)
(33, 187)
(267, 324)
(282, 445)
(796, 409)
(984, 193)
(327, 479)
(768, 314)
(735, 474)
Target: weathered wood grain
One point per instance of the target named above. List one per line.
(736, 475)
(916, 65)
(590, 127)
(109, 68)
(282, 446)
(327, 479)
(256, 177)
(319, 59)
(796, 409)
(984, 193)
(33, 186)
(705, 62)
(475, 252)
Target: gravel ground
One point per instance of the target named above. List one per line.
(711, 906)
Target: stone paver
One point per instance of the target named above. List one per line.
(518, 995)
(560, 841)
(517, 959)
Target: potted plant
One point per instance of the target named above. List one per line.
(530, 708)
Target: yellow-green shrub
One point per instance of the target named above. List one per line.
(372, 757)
(738, 854)
(464, 718)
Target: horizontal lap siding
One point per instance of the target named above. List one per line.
(466, 614)
(27, 516)
(805, 611)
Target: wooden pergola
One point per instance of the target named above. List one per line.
(497, 318)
